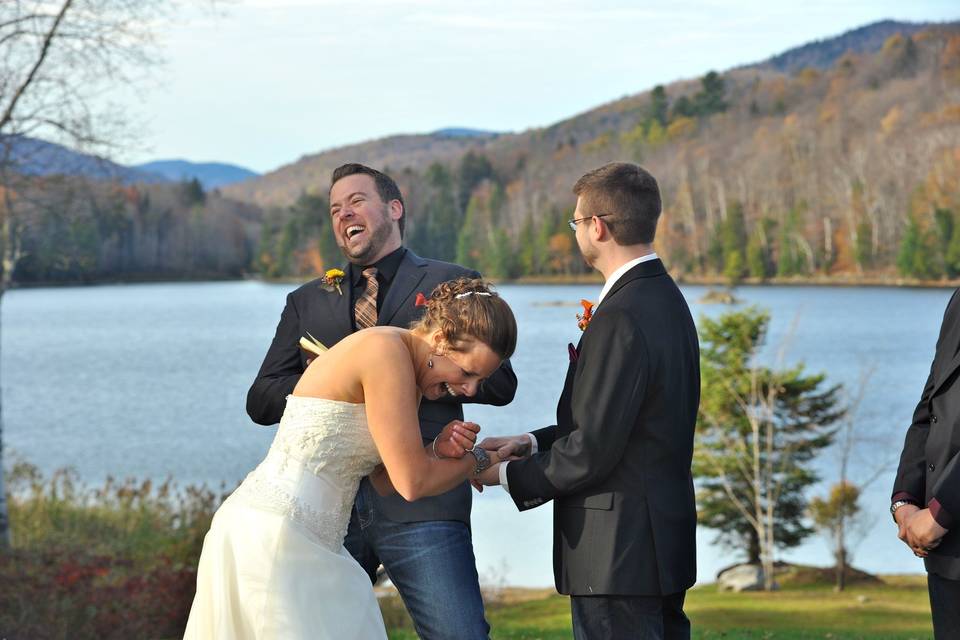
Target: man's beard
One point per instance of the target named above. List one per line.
(378, 237)
(588, 253)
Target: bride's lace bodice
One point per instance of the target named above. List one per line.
(320, 452)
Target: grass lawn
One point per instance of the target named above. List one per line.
(899, 609)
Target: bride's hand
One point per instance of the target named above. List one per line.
(456, 439)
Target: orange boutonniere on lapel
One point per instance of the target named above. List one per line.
(420, 301)
(583, 319)
(332, 279)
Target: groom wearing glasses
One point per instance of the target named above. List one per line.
(617, 464)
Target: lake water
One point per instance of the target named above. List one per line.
(150, 381)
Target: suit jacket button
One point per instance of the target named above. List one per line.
(933, 419)
(932, 467)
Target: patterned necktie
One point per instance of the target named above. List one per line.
(365, 308)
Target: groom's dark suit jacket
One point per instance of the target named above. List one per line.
(328, 316)
(617, 463)
(929, 472)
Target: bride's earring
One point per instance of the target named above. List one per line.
(430, 363)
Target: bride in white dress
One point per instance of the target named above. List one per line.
(273, 564)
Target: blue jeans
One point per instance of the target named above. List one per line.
(431, 564)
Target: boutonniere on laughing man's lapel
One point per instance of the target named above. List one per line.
(583, 319)
(332, 279)
(420, 301)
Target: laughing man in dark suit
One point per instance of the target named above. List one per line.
(426, 545)
(617, 463)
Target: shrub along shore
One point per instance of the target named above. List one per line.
(119, 561)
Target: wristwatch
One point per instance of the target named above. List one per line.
(896, 505)
(483, 460)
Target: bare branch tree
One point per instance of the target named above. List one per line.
(838, 516)
(59, 62)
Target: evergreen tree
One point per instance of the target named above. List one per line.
(527, 249)
(759, 260)
(500, 260)
(758, 432)
(474, 168)
(542, 242)
(710, 98)
(468, 249)
(863, 250)
(192, 193)
(715, 250)
(734, 266)
(656, 134)
(734, 241)
(658, 107)
(918, 256)
(790, 260)
(683, 107)
(952, 254)
(944, 223)
(442, 214)
(902, 54)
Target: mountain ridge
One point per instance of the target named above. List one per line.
(311, 172)
(211, 175)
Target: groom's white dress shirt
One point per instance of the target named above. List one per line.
(612, 280)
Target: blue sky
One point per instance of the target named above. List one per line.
(262, 82)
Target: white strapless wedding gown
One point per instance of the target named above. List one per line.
(273, 564)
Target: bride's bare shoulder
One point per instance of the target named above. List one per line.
(385, 343)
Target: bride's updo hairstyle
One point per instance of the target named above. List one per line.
(466, 309)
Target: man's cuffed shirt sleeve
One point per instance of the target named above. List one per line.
(503, 465)
(941, 515)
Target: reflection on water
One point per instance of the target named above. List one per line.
(151, 380)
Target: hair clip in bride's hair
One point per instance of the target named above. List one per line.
(471, 293)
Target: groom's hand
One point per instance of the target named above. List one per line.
(508, 447)
(456, 439)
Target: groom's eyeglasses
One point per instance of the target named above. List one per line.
(573, 221)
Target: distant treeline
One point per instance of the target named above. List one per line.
(853, 171)
(74, 230)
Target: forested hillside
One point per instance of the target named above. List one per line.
(847, 171)
(852, 170)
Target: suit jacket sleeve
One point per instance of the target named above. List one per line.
(911, 474)
(545, 437)
(280, 371)
(947, 490)
(608, 391)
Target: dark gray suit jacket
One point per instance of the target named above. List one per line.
(327, 316)
(929, 466)
(617, 463)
